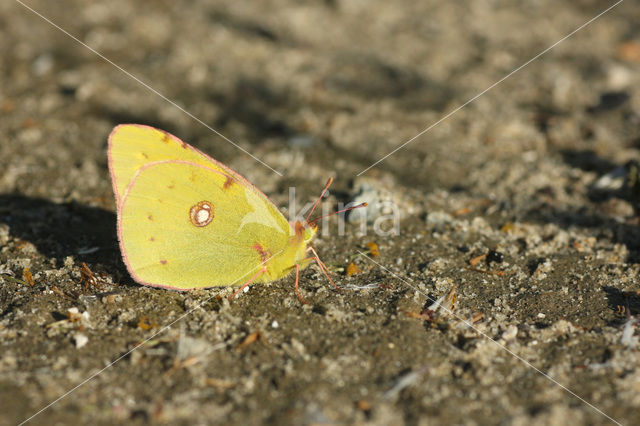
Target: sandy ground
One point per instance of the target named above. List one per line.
(526, 200)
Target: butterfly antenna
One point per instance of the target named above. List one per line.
(326, 187)
(339, 211)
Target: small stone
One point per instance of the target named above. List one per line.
(80, 340)
(510, 333)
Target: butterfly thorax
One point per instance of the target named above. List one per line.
(295, 252)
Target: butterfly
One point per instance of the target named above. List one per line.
(187, 221)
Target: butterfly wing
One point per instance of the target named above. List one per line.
(187, 224)
(132, 146)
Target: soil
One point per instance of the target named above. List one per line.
(524, 202)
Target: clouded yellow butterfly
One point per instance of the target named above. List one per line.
(186, 221)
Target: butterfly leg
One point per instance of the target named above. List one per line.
(252, 279)
(323, 267)
(298, 288)
(320, 262)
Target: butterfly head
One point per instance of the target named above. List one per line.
(305, 231)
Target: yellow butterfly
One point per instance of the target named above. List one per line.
(186, 221)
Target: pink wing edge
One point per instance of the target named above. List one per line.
(123, 251)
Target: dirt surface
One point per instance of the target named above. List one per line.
(526, 200)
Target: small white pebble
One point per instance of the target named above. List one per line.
(391, 346)
(275, 324)
(541, 315)
(510, 333)
(80, 340)
(399, 261)
(246, 289)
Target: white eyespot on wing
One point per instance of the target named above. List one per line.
(201, 214)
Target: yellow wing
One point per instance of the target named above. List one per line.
(132, 146)
(179, 227)
(186, 221)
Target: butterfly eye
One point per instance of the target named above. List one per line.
(201, 214)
